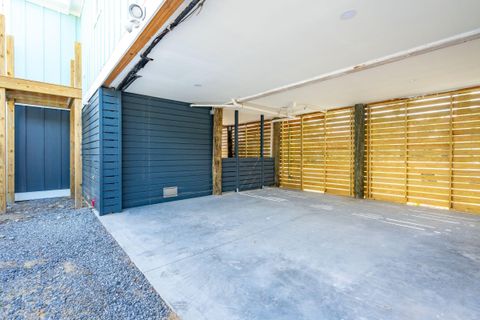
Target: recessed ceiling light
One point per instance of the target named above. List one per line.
(198, 85)
(349, 14)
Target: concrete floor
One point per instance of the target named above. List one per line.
(278, 254)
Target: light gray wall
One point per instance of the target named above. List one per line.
(44, 41)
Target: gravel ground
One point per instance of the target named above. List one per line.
(60, 263)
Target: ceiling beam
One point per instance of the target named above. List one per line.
(153, 26)
(31, 86)
(399, 56)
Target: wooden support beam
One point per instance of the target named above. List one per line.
(359, 150)
(48, 89)
(3, 156)
(217, 151)
(10, 57)
(151, 29)
(10, 127)
(10, 151)
(77, 118)
(276, 151)
(72, 134)
(37, 99)
(3, 70)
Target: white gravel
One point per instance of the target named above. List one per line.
(60, 263)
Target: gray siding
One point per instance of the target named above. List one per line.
(111, 155)
(101, 144)
(42, 151)
(165, 144)
(91, 150)
(249, 173)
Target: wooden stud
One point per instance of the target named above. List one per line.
(359, 150)
(10, 57)
(217, 151)
(10, 127)
(450, 156)
(406, 150)
(10, 151)
(3, 157)
(2, 46)
(37, 87)
(325, 150)
(77, 118)
(276, 151)
(72, 134)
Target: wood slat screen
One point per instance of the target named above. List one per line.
(425, 151)
(316, 152)
(249, 140)
(225, 142)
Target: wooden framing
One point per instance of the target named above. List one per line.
(158, 20)
(217, 151)
(77, 119)
(34, 93)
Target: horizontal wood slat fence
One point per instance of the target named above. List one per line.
(249, 140)
(423, 151)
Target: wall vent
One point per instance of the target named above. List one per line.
(169, 192)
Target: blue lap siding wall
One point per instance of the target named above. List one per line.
(101, 150)
(165, 144)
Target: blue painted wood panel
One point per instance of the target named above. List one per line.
(42, 149)
(102, 151)
(164, 144)
(91, 151)
(249, 173)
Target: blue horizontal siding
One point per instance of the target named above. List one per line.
(249, 173)
(101, 148)
(165, 143)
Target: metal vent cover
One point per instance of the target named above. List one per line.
(169, 192)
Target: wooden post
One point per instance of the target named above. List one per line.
(359, 157)
(276, 151)
(77, 118)
(237, 175)
(72, 134)
(262, 123)
(217, 151)
(3, 156)
(10, 127)
(3, 107)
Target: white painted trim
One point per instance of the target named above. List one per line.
(23, 196)
(402, 55)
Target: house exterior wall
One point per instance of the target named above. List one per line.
(102, 27)
(101, 151)
(44, 41)
(165, 144)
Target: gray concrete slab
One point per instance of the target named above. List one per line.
(281, 254)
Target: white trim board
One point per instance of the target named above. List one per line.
(23, 196)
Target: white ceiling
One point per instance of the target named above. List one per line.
(239, 48)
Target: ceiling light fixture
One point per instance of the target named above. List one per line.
(349, 14)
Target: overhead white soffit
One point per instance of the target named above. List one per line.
(216, 56)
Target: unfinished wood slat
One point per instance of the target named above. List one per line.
(10, 128)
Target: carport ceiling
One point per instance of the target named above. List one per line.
(234, 49)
